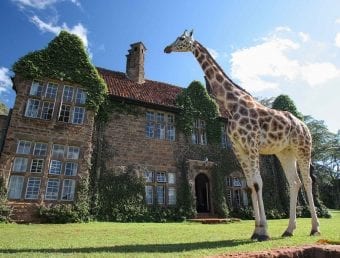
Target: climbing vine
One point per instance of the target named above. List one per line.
(65, 58)
(195, 103)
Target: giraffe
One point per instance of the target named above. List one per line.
(255, 129)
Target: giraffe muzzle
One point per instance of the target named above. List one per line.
(168, 49)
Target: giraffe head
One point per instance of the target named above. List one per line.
(182, 44)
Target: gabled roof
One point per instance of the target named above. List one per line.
(149, 92)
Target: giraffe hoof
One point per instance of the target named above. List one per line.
(255, 236)
(261, 238)
(315, 233)
(287, 234)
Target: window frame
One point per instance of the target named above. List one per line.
(33, 191)
(54, 194)
(71, 192)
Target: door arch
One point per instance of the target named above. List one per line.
(202, 192)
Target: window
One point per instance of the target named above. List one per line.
(172, 195)
(71, 169)
(161, 177)
(51, 91)
(24, 147)
(149, 194)
(20, 164)
(237, 182)
(67, 94)
(32, 189)
(160, 194)
(78, 115)
(225, 140)
(171, 178)
(68, 190)
(199, 135)
(160, 126)
(148, 176)
(58, 151)
(36, 89)
(149, 129)
(55, 167)
(32, 108)
(40, 149)
(52, 189)
(64, 115)
(72, 152)
(15, 187)
(37, 165)
(228, 181)
(47, 110)
(236, 192)
(80, 97)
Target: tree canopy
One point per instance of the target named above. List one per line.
(285, 103)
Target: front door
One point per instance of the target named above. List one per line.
(202, 193)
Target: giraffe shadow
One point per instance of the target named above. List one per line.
(134, 248)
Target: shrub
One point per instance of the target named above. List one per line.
(59, 213)
(5, 210)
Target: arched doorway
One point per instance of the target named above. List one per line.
(202, 193)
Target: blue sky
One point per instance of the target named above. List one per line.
(268, 47)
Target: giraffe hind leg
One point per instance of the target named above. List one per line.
(288, 162)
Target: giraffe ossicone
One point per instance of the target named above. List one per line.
(255, 129)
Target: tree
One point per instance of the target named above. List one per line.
(285, 103)
(3, 109)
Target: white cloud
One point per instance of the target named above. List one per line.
(41, 4)
(337, 39)
(5, 80)
(337, 21)
(36, 4)
(78, 29)
(277, 59)
(304, 36)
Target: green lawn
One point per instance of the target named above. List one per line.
(100, 239)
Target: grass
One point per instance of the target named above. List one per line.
(102, 239)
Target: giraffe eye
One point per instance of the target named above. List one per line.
(181, 38)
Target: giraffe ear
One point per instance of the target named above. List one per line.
(191, 32)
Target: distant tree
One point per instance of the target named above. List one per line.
(3, 109)
(326, 158)
(268, 102)
(285, 103)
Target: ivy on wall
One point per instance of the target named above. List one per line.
(195, 103)
(65, 58)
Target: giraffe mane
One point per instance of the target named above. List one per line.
(219, 67)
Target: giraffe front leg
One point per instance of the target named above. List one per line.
(261, 226)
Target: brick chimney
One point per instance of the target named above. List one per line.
(135, 62)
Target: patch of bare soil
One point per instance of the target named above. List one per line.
(307, 251)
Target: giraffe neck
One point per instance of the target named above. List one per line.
(213, 72)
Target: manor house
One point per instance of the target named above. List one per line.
(49, 138)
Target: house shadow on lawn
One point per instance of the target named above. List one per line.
(140, 248)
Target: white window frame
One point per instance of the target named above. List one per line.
(52, 189)
(58, 151)
(68, 190)
(38, 166)
(55, 167)
(172, 178)
(172, 195)
(161, 177)
(40, 149)
(32, 191)
(25, 149)
(20, 165)
(65, 113)
(78, 115)
(32, 108)
(15, 187)
(160, 194)
(36, 89)
(149, 194)
(51, 90)
(148, 176)
(73, 152)
(67, 97)
(81, 97)
(71, 169)
(47, 110)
